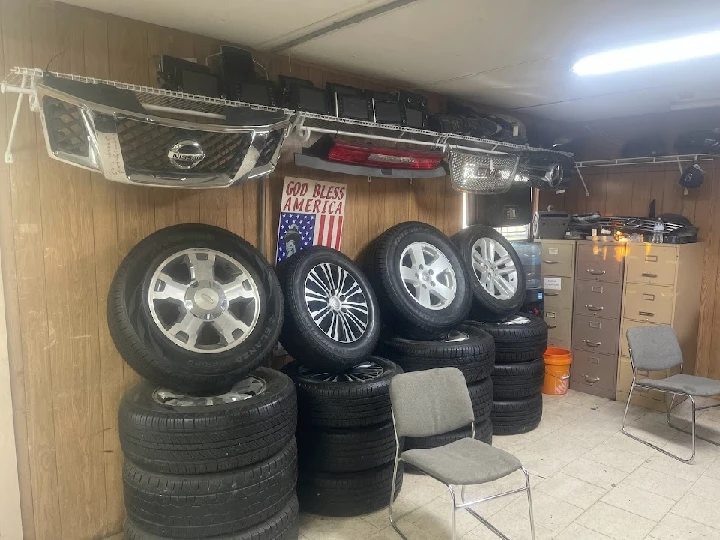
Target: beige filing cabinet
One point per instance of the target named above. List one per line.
(596, 316)
(662, 286)
(558, 273)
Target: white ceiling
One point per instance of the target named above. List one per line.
(514, 54)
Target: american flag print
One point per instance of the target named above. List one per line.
(316, 218)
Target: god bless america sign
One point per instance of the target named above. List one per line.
(311, 214)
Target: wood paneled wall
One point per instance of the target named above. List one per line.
(628, 191)
(63, 232)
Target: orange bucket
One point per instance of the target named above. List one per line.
(557, 371)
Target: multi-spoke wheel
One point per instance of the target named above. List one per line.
(421, 282)
(331, 315)
(496, 273)
(194, 308)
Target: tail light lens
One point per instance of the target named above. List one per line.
(386, 158)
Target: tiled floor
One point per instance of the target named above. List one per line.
(590, 482)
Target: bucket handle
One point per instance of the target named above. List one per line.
(562, 378)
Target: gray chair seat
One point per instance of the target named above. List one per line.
(464, 462)
(686, 384)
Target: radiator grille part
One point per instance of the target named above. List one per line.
(271, 145)
(145, 148)
(65, 127)
(482, 174)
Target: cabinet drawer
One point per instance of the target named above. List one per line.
(594, 371)
(557, 258)
(598, 299)
(599, 336)
(629, 323)
(652, 264)
(560, 293)
(600, 263)
(649, 303)
(559, 324)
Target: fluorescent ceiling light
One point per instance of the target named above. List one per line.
(651, 54)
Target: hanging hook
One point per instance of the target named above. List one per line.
(582, 179)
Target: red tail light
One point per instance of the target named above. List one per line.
(386, 158)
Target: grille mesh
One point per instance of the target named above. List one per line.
(483, 174)
(271, 145)
(65, 127)
(145, 147)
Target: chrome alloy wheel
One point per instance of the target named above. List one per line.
(367, 371)
(428, 275)
(336, 302)
(247, 388)
(204, 300)
(494, 268)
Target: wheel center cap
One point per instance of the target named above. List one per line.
(335, 303)
(426, 277)
(206, 299)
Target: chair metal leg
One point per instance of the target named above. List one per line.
(392, 498)
(653, 446)
(530, 508)
(454, 511)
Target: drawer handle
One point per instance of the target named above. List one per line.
(552, 294)
(646, 314)
(552, 326)
(651, 258)
(595, 272)
(591, 380)
(648, 274)
(550, 262)
(593, 359)
(597, 289)
(594, 308)
(649, 297)
(592, 343)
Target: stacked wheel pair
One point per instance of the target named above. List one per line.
(520, 342)
(425, 296)
(346, 440)
(208, 438)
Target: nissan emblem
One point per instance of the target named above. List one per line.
(186, 154)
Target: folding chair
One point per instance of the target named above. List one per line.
(437, 401)
(655, 348)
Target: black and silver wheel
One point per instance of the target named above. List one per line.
(331, 319)
(497, 276)
(420, 279)
(357, 397)
(194, 308)
(167, 431)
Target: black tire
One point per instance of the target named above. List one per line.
(346, 450)
(468, 348)
(209, 505)
(481, 395)
(401, 311)
(521, 380)
(285, 525)
(347, 495)
(304, 338)
(512, 417)
(483, 432)
(153, 354)
(186, 440)
(519, 338)
(346, 400)
(485, 305)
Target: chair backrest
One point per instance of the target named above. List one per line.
(654, 347)
(431, 402)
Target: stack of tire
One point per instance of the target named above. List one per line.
(346, 438)
(498, 283)
(424, 294)
(208, 438)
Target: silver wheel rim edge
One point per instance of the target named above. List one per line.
(247, 388)
(494, 268)
(428, 275)
(204, 300)
(363, 372)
